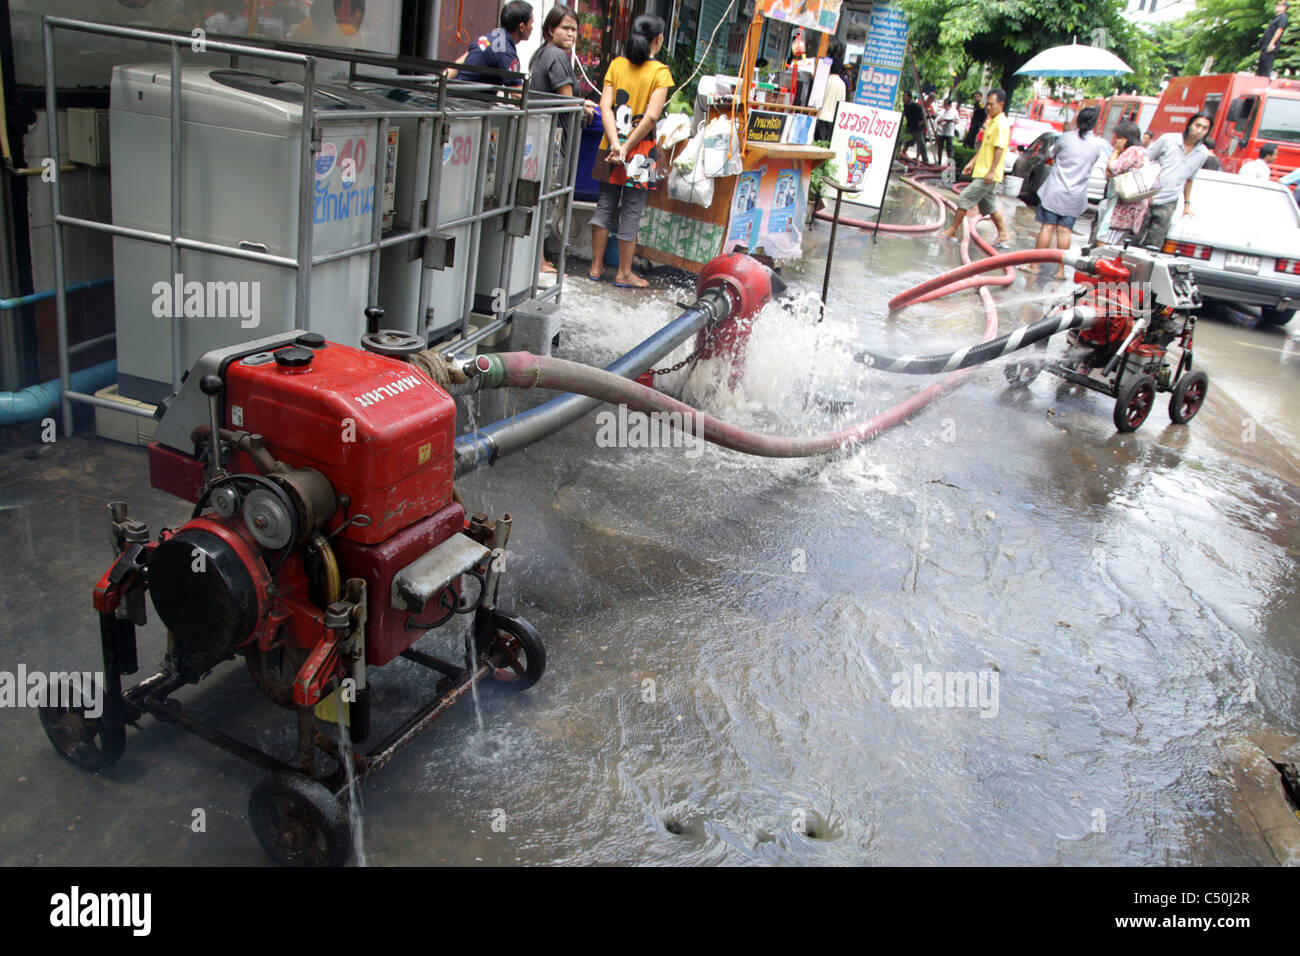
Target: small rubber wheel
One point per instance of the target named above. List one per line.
(299, 822)
(1270, 316)
(518, 651)
(1020, 374)
(1188, 397)
(88, 743)
(1134, 402)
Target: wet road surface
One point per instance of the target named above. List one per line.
(741, 651)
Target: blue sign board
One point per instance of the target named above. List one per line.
(882, 58)
(876, 87)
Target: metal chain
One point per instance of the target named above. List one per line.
(708, 340)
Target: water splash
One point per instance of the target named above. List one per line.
(355, 815)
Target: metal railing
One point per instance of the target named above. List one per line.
(425, 76)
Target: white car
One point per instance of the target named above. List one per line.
(1242, 239)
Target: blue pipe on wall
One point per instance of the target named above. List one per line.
(19, 301)
(40, 401)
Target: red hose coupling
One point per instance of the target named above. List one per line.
(747, 284)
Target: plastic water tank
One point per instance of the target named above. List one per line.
(240, 148)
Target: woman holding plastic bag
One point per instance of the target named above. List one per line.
(1117, 220)
(635, 91)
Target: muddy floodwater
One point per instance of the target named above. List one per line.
(1001, 633)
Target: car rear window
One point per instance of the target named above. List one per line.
(1240, 202)
(1281, 120)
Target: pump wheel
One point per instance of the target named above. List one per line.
(1188, 397)
(518, 651)
(88, 743)
(299, 822)
(1020, 374)
(1133, 405)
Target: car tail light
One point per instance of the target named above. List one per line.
(1188, 250)
(1288, 265)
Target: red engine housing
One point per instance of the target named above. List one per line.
(383, 435)
(376, 427)
(1112, 295)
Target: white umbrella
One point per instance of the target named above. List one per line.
(1074, 60)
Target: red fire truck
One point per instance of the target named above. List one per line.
(1245, 111)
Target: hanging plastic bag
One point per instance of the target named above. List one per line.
(690, 155)
(686, 181)
(673, 129)
(720, 153)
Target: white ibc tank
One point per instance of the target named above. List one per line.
(240, 141)
(538, 149)
(400, 275)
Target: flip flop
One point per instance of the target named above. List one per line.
(592, 278)
(628, 285)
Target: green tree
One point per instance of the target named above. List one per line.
(1230, 31)
(1004, 34)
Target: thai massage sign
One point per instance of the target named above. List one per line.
(765, 127)
(863, 140)
(822, 15)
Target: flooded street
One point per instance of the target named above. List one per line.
(742, 653)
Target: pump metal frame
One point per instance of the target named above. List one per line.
(425, 75)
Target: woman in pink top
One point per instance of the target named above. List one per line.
(1126, 218)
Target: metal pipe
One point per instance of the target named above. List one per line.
(432, 191)
(478, 335)
(476, 229)
(56, 207)
(306, 158)
(146, 411)
(91, 343)
(377, 209)
(508, 436)
(161, 239)
(175, 132)
(155, 36)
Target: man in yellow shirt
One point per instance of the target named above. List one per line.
(986, 170)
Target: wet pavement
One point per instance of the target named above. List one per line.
(740, 650)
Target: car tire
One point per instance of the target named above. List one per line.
(1268, 316)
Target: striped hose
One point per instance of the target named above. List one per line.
(1079, 317)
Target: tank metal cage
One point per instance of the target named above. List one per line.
(521, 199)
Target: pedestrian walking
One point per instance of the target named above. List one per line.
(635, 91)
(947, 127)
(914, 124)
(1271, 38)
(1064, 195)
(1180, 155)
(986, 169)
(978, 117)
